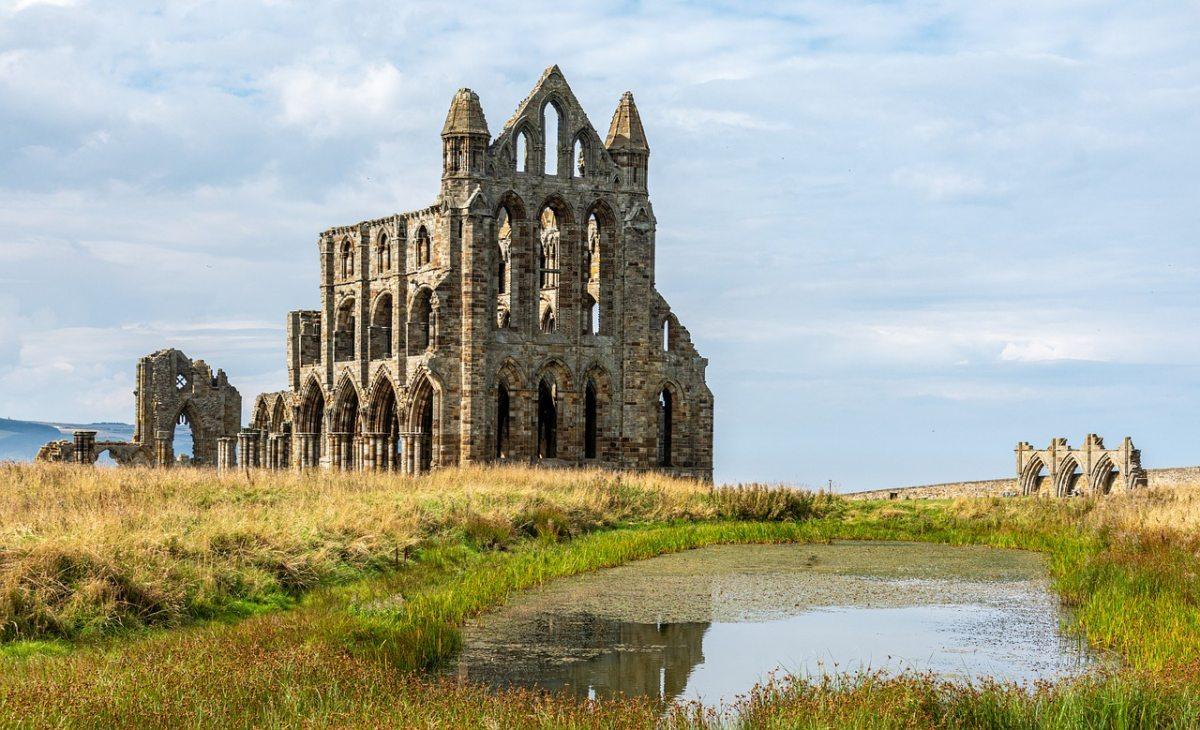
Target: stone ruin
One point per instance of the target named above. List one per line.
(514, 320)
(172, 390)
(1061, 471)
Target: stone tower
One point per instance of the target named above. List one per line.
(515, 319)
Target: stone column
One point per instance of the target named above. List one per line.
(164, 448)
(305, 457)
(226, 453)
(248, 448)
(285, 450)
(85, 447)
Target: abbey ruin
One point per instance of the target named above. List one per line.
(172, 390)
(513, 320)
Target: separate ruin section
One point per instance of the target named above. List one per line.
(172, 390)
(1062, 471)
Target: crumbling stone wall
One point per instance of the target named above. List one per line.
(515, 320)
(172, 390)
(1091, 469)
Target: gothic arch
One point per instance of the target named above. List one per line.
(1104, 475)
(558, 369)
(278, 417)
(423, 421)
(562, 209)
(1065, 481)
(1029, 477)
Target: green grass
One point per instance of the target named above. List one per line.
(353, 654)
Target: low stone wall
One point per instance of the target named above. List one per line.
(1170, 478)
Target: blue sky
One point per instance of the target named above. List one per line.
(906, 234)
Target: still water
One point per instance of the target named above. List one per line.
(709, 624)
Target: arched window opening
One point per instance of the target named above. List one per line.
(424, 435)
(420, 324)
(383, 255)
(343, 332)
(589, 421)
(503, 420)
(549, 239)
(311, 427)
(346, 429)
(385, 424)
(1073, 481)
(580, 166)
(547, 420)
(1106, 476)
(522, 152)
(347, 259)
(666, 416)
(591, 276)
(503, 253)
(184, 440)
(424, 247)
(551, 121)
(381, 329)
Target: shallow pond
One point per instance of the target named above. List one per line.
(709, 624)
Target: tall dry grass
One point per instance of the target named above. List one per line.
(85, 550)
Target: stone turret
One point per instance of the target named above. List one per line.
(626, 142)
(465, 137)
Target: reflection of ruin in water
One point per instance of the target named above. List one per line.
(594, 657)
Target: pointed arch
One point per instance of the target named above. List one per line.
(597, 400)
(1104, 475)
(1069, 477)
(423, 247)
(278, 415)
(346, 258)
(552, 134)
(524, 150)
(379, 341)
(598, 273)
(420, 321)
(424, 424)
(383, 254)
(507, 434)
(1029, 477)
(383, 423)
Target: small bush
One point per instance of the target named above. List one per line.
(767, 504)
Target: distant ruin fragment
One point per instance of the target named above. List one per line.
(172, 390)
(1062, 471)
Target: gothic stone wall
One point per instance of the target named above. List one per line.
(451, 300)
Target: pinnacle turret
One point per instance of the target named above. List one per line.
(465, 115)
(625, 133)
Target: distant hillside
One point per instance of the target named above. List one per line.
(20, 440)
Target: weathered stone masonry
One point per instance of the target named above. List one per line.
(172, 390)
(515, 320)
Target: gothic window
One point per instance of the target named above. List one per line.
(347, 259)
(589, 421)
(424, 247)
(381, 329)
(551, 120)
(579, 169)
(502, 422)
(343, 332)
(522, 151)
(547, 421)
(181, 382)
(666, 415)
(383, 255)
(666, 334)
(420, 332)
(591, 276)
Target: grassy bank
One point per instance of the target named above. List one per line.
(338, 657)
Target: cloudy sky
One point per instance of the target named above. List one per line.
(906, 234)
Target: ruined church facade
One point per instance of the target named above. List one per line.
(514, 320)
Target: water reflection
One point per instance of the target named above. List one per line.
(709, 624)
(591, 656)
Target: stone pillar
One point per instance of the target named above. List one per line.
(285, 450)
(85, 447)
(306, 446)
(226, 453)
(248, 448)
(263, 457)
(164, 448)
